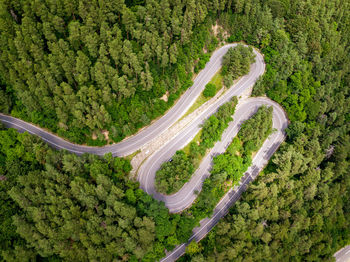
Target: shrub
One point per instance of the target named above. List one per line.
(209, 90)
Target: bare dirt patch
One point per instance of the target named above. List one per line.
(63, 125)
(220, 33)
(106, 134)
(158, 142)
(165, 97)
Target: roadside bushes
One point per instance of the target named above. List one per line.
(255, 130)
(57, 206)
(174, 174)
(229, 167)
(209, 90)
(217, 123)
(236, 62)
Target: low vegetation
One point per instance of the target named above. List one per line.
(209, 90)
(57, 206)
(217, 81)
(229, 167)
(236, 62)
(174, 174)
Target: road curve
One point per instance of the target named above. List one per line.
(132, 144)
(186, 195)
(343, 255)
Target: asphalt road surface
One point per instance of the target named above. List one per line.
(132, 144)
(343, 255)
(185, 196)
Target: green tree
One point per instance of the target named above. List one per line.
(193, 248)
(236, 62)
(209, 90)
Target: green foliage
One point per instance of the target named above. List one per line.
(203, 59)
(256, 129)
(77, 71)
(74, 70)
(297, 209)
(215, 125)
(193, 248)
(173, 174)
(229, 167)
(209, 90)
(59, 206)
(295, 129)
(231, 163)
(256, 219)
(19, 153)
(236, 62)
(5, 99)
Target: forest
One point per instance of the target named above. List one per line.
(236, 62)
(255, 130)
(298, 208)
(79, 68)
(56, 206)
(173, 174)
(59, 206)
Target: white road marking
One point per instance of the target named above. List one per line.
(175, 113)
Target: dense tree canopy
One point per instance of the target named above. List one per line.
(254, 131)
(16, 158)
(58, 206)
(236, 62)
(78, 67)
(174, 173)
(298, 208)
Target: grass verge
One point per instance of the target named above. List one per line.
(217, 81)
(131, 156)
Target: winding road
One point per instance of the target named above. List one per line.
(186, 195)
(146, 175)
(133, 143)
(184, 198)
